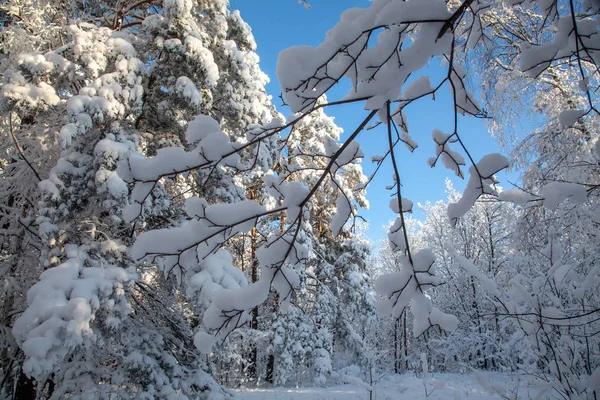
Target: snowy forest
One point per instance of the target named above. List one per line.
(166, 232)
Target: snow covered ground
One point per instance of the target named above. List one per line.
(439, 387)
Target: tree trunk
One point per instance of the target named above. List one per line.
(253, 358)
(25, 389)
(405, 344)
(270, 369)
(396, 361)
(270, 376)
(479, 328)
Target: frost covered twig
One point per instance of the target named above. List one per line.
(19, 149)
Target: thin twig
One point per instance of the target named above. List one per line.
(14, 138)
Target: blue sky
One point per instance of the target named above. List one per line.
(279, 24)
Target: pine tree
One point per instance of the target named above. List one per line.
(118, 329)
(335, 297)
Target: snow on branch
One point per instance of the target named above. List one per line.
(180, 250)
(379, 49)
(63, 304)
(481, 182)
(399, 289)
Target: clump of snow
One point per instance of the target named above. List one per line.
(396, 236)
(200, 127)
(204, 341)
(48, 187)
(417, 88)
(177, 8)
(211, 226)
(343, 212)
(407, 205)
(306, 73)
(450, 158)
(29, 95)
(480, 183)
(398, 290)
(294, 193)
(515, 196)
(555, 193)
(536, 58)
(186, 88)
(204, 57)
(217, 275)
(213, 147)
(568, 118)
(35, 63)
(120, 46)
(61, 308)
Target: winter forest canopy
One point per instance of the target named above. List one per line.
(166, 233)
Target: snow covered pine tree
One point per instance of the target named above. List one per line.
(96, 325)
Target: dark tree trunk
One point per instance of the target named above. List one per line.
(270, 369)
(25, 389)
(405, 344)
(253, 356)
(396, 355)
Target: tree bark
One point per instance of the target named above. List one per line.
(26, 388)
(253, 358)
